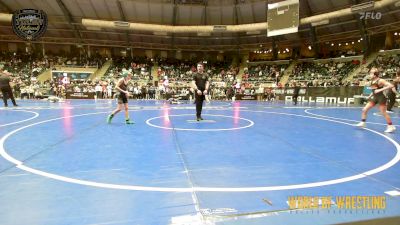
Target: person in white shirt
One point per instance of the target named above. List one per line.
(98, 90)
(109, 91)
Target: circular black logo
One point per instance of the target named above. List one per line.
(29, 24)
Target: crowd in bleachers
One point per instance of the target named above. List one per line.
(24, 69)
(24, 66)
(140, 67)
(257, 74)
(387, 63)
(95, 61)
(179, 74)
(182, 70)
(322, 74)
(223, 77)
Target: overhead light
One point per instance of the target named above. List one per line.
(94, 28)
(253, 32)
(203, 34)
(220, 28)
(352, 42)
(309, 47)
(332, 44)
(284, 51)
(255, 51)
(160, 33)
(260, 45)
(340, 44)
(395, 34)
(319, 23)
(359, 41)
(279, 52)
(347, 43)
(363, 7)
(121, 24)
(273, 6)
(271, 33)
(265, 52)
(287, 49)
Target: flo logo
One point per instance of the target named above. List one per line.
(29, 24)
(371, 15)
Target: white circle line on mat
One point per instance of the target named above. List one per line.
(20, 165)
(148, 122)
(35, 114)
(337, 118)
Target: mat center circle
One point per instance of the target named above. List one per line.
(185, 122)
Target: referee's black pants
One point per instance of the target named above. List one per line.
(199, 104)
(295, 99)
(392, 100)
(7, 93)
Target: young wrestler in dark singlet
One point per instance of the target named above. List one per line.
(378, 85)
(122, 98)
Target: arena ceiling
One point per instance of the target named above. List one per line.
(65, 24)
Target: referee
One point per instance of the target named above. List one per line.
(295, 92)
(5, 88)
(391, 94)
(200, 84)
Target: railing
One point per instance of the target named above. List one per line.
(340, 59)
(76, 66)
(389, 52)
(276, 62)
